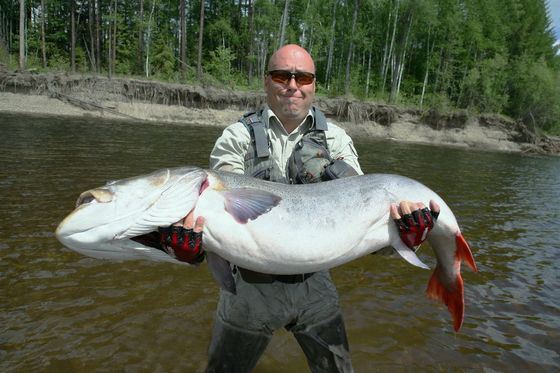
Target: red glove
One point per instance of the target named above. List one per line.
(183, 244)
(414, 227)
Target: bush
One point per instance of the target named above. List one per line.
(484, 87)
(220, 64)
(535, 95)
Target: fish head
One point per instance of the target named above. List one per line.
(108, 219)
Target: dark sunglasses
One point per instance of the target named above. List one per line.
(284, 77)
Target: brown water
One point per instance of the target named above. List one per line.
(64, 312)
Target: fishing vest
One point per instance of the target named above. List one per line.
(258, 159)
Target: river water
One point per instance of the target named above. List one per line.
(61, 311)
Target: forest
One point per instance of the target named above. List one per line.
(476, 55)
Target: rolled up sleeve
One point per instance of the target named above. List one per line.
(341, 146)
(230, 148)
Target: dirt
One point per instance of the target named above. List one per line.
(178, 104)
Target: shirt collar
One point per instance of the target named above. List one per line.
(305, 125)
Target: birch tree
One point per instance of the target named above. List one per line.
(283, 23)
(183, 39)
(148, 40)
(200, 39)
(72, 36)
(21, 34)
(351, 48)
(43, 44)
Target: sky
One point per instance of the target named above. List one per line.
(554, 7)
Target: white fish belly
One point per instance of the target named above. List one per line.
(295, 238)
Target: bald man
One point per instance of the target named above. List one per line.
(287, 141)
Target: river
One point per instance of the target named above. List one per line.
(61, 311)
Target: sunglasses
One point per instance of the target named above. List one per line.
(284, 77)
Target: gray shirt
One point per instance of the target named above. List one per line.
(230, 148)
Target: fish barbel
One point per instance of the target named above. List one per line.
(267, 227)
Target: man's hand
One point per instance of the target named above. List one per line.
(183, 239)
(414, 221)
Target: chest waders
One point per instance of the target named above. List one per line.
(237, 344)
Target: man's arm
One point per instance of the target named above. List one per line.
(230, 148)
(341, 147)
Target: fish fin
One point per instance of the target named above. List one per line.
(246, 204)
(452, 295)
(464, 252)
(221, 271)
(169, 207)
(452, 298)
(408, 254)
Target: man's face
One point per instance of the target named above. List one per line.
(290, 101)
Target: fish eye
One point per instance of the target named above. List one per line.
(99, 195)
(85, 198)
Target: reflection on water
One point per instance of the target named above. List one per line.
(62, 311)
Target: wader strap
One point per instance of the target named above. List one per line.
(320, 120)
(260, 136)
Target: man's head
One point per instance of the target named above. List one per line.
(289, 99)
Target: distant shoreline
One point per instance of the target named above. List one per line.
(118, 99)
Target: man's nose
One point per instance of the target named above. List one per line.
(292, 82)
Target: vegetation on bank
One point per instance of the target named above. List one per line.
(483, 56)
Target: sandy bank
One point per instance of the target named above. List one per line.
(406, 129)
(180, 104)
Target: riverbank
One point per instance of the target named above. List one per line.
(174, 104)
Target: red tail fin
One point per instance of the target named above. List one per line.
(452, 296)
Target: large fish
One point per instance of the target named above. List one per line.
(266, 227)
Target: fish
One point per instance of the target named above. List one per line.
(267, 227)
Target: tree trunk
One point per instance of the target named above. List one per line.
(148, 39)
(200, 39)
(368, 75)
(98, 34)
(183, 41)
(115, 23)
(390, 53)
(351, 48)
(21, 34)
(331, 48)
(426, 74)
(73, 36)
(251, 42)
(395, 89)
(43, 44)
(140, 49)
(110, 47)
(92, 54)
(283, 23)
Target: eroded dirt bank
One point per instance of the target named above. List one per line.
(178, 104)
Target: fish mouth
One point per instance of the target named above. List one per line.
(152, 239)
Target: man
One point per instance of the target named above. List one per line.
(289, 141)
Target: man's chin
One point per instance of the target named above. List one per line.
(294, 112)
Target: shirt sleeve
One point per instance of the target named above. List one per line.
(341, 146)
(230, 148)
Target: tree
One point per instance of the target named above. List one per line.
(351, 47)
(73, 36)
(43, 46)
(183, 37)
(200, 39)
(21, 34)
(284, 22)
(444, 53)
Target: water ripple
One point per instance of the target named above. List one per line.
(65, 312)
